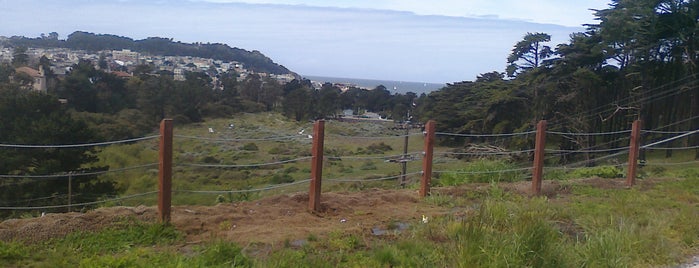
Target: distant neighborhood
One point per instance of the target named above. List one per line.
(123, 62)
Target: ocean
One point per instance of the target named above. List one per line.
(393, 86)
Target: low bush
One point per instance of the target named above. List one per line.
(483, 171)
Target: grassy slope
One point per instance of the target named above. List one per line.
(651, 225)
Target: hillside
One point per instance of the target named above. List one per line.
(598, 222)
(253, 60)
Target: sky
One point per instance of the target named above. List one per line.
(438, 41)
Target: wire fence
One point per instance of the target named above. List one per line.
(365, 165)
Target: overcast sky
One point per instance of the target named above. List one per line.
(410, 40)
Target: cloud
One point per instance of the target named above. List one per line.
(567, 13)
(343, 42)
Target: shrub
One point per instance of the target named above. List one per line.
(608, 172)
(482, 171)
(281, 178)
(223, 254)
(375, 148)
(250, 147)
(368, 165)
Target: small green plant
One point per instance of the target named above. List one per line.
(12, 251)
(607, 172)
(482, 171)
(368, 165)
(375, 148)
(250, 147)
(281, 178)
(223, 254)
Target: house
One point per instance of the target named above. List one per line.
(122, 75)
(39, 79)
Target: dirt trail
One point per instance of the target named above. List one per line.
(269, 221)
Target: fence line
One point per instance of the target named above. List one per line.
(375, 137)
(318, 156)
(239, 140)
(244, 190)
(483, 172)
(486, 135)
(586, 150)
(663, 132)
(244, 165)
(375, 179)
(672, 148)
(588, 134)
(80, 204)
(671, 164)
(486, 153)
(386, 157)
(76, 173)
(56, 146)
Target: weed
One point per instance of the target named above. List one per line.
(222, 254)
(608, 172)
(482, 171)
(13, 251)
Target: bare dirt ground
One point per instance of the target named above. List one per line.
(274, 220)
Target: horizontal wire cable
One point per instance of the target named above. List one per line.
(77, 145)
(37, 199)
(588, 134)
(485, 172)
(376, 179)
(549, 157)
(388, 157)
(672, 148)
(649, 163)
(485, 135)
(675, 123)
(587, 151)
(375, 137)
(241, 139)
(244, 165)
(78, 173)
(583, 162)
(486, 153)
(670, 139)
(80, 204)
(663, 132)
(243, 191)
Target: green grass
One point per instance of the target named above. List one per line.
(482, 171)
(652, 226)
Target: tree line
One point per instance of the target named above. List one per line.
(638, 62)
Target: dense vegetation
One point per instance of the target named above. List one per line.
(254, 60)
(639, 62)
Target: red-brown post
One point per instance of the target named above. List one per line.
(538, 170)
(633, 152)
(165, 174)
(427, 159)
(316, 165)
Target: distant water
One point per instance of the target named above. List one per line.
(393, 86)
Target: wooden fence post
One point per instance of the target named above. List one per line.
(427, 158)
(539, 151)
(316, 165)
(165, 171)
(70, 191)
(634, 146)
